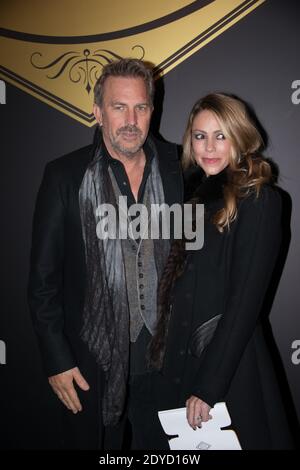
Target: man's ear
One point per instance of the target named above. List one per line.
(97, 113)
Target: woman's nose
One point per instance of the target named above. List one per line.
(210, 145)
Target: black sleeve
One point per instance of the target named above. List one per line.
(45, 294)
(255, 246)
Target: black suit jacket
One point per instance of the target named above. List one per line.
(58, 272)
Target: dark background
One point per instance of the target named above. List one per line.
(257, 59)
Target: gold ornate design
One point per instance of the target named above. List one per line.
(58, 61)
(82, 67)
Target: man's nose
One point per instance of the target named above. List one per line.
(131, 117)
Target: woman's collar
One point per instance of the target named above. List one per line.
(205, 188)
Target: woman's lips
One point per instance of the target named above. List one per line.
(210, 161)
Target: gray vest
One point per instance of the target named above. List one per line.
(141, 275)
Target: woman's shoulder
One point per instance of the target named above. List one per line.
(266, 201)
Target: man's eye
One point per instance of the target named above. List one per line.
(142, 108)
(119, 107)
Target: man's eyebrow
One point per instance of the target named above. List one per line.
(143, 103)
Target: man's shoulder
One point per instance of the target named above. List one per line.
(70, 168)
(165, 148)
(72, 161)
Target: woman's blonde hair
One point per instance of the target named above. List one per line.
(247, 168)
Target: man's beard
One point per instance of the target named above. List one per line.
(131, 151)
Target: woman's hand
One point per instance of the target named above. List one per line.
(197, 411)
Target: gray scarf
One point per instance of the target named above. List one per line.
(106, 314)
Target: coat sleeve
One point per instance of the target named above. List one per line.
(45, 288)
(255, 245)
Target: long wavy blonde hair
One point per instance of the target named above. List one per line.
(247, 171)
(247, 168)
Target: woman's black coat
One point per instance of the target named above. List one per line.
(229, 277)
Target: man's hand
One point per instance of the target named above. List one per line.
(62, 385)
(197, 411)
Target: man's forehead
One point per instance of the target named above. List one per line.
(116, 88)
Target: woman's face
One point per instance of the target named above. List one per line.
(211, 148)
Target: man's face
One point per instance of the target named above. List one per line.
(124, 115)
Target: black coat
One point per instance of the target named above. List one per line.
(229, 276)
(58, 276)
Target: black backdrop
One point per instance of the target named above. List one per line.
(257, 59)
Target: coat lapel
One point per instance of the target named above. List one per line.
(171, 173)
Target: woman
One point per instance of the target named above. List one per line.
(209, 343)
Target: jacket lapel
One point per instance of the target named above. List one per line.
(171, 173)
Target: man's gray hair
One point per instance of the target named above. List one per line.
(125, 68)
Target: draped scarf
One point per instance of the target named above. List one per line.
(106, 314)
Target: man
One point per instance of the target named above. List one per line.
(93, 300)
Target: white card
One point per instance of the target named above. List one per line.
(209, 437)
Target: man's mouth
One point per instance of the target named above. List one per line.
(130, 135)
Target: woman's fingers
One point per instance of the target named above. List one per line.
(205, 412)
(190, 412)
(197, 412)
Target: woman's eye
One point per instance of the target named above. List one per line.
(221, 136)
(198, 136)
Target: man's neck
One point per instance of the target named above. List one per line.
(131, 162)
